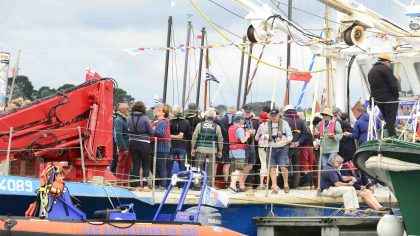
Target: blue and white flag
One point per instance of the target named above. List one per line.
(211, 77)
(215, 198)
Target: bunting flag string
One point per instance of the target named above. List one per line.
(183, 48)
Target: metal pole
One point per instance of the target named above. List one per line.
(168, 44)
(8, 151)
(186, 65)
(248, 68)
(14, 78)
(200, 67)
(154, 170)
(206, 82)
(241, 72)
(328, 59)
(319, 166)
(82, 155)
(268, 168)
(288, 52)
(213, 164)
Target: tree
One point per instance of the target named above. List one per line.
(66, 87)
(43, 92)
(22, 88)
(120, 95)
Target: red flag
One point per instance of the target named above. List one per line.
(300, 76)
(90, 74)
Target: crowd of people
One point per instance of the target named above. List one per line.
(275, 150)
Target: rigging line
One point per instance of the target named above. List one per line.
(246, 52)
(221, 27)
(232, 12)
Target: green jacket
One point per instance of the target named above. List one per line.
(331, 145)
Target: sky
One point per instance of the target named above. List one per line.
(60, 39)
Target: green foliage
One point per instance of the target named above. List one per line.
(120, 95)
(43, 92)
(22, 88)
(66, 87)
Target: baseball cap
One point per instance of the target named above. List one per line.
(247, 108)
(274, 112)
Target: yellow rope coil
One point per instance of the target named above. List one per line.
(244, 51)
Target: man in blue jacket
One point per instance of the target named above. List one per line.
(360, 127)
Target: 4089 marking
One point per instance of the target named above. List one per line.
(14, 185)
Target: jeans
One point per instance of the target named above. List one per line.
(326, 157)
(162, 161)
(294, 157)
(140, 155)
(180, 152)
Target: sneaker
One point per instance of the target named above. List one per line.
(160, 188)
(232, 190)
(241, 190)
(261, 187)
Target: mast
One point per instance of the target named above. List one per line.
(168, 44)
(289, 17)
(187, 44)
(328, 58)
(241, 72)
(248, 68)
(206, 81)
(200, 67)
(14, 77)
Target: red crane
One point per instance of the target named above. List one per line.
(48, 131)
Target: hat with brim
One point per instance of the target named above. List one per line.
(237, 118)
(385, 57)
(327, 111)
(274, 112)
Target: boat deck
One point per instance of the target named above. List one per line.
(383, 194)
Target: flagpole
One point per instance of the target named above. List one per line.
(14, 77)
(168, 44)
(288, 48)
(248, 68)
(186, 65)
(200, 67)
(206, 81)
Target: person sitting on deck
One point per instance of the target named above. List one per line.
(363, 185)
(333, 184)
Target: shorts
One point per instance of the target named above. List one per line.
(280, 157)
(250, 155)
(225, 157)
(238, 164)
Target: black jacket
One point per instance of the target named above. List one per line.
(178, 125)
(383, 83)
(347, 145)
(296, 125)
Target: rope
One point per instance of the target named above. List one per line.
(244, 51)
